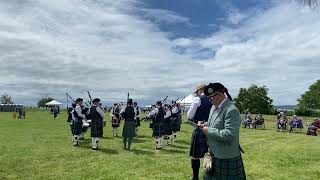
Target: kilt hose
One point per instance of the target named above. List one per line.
(227, 169)
(199, 145)
(158, 129)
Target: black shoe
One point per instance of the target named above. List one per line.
(76, 145)
(95, 148)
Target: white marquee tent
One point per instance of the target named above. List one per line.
(187, 101)
(53, 103)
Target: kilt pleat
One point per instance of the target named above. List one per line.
(175, 124)
(199, 145)
(158, 129)
(227, 169)
(129, 129)
(96, 128)
(76, 127)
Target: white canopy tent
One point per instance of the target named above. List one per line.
(187, 101)
(53, 103)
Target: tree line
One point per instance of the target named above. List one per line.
(254, 98)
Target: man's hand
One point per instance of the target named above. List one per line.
(201, 124)
(205, 130)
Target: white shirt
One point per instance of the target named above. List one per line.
(153, 112)
(137, 111)
(168, 114)
(194, 106)
(78, 110)
(99, 110)
(175, 110)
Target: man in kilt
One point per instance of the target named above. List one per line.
(137, 111)
(158, 124)
(175, 119)
(198, 112)
(76, 123)
(168, 124)
(222, 132)
(129, 127)
(115, 119)
(96, 114)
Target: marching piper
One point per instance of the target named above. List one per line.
(76, 124)
(115, 119)
(137, 111)
(175, 119)
(158, 123)
(97, 115)
(168, 124)
(128, 131)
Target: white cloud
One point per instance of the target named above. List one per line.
(54, 47)
(277, 48)
(161, 16)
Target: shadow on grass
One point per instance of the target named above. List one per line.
(143, 136)
(142, 152)
(179, 147)
(106, 138)
(139, 140)
(183, 142)
(109, 151)
(101, 149)
(173, 151)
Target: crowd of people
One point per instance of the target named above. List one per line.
(165, 121)
(20, 111)
(282, 122)
(213, 115)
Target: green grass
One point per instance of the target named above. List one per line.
(40, 148)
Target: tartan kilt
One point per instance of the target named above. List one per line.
(138, 122)
(175, 124)
(96, 128)
(168, 127)
(199, 145)
(76, 127)
(229, 169)
(158, 129)
(115, 122)
(129, 129)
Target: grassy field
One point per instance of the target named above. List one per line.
(40, 148)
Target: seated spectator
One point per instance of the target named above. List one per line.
(258, 120)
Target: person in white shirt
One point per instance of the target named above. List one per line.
(97, 115)
(137, 112)
(115, 119)
(175, 114)
(77, 122)
(198, 113)
(158, 123)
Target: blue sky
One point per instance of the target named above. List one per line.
(155, 48)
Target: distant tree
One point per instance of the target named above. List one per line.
(42, 102)
(6, 99)
(255, 99)
(311, 98)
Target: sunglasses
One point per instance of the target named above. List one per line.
(213, 95)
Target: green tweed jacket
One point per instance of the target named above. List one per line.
(223, 131)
